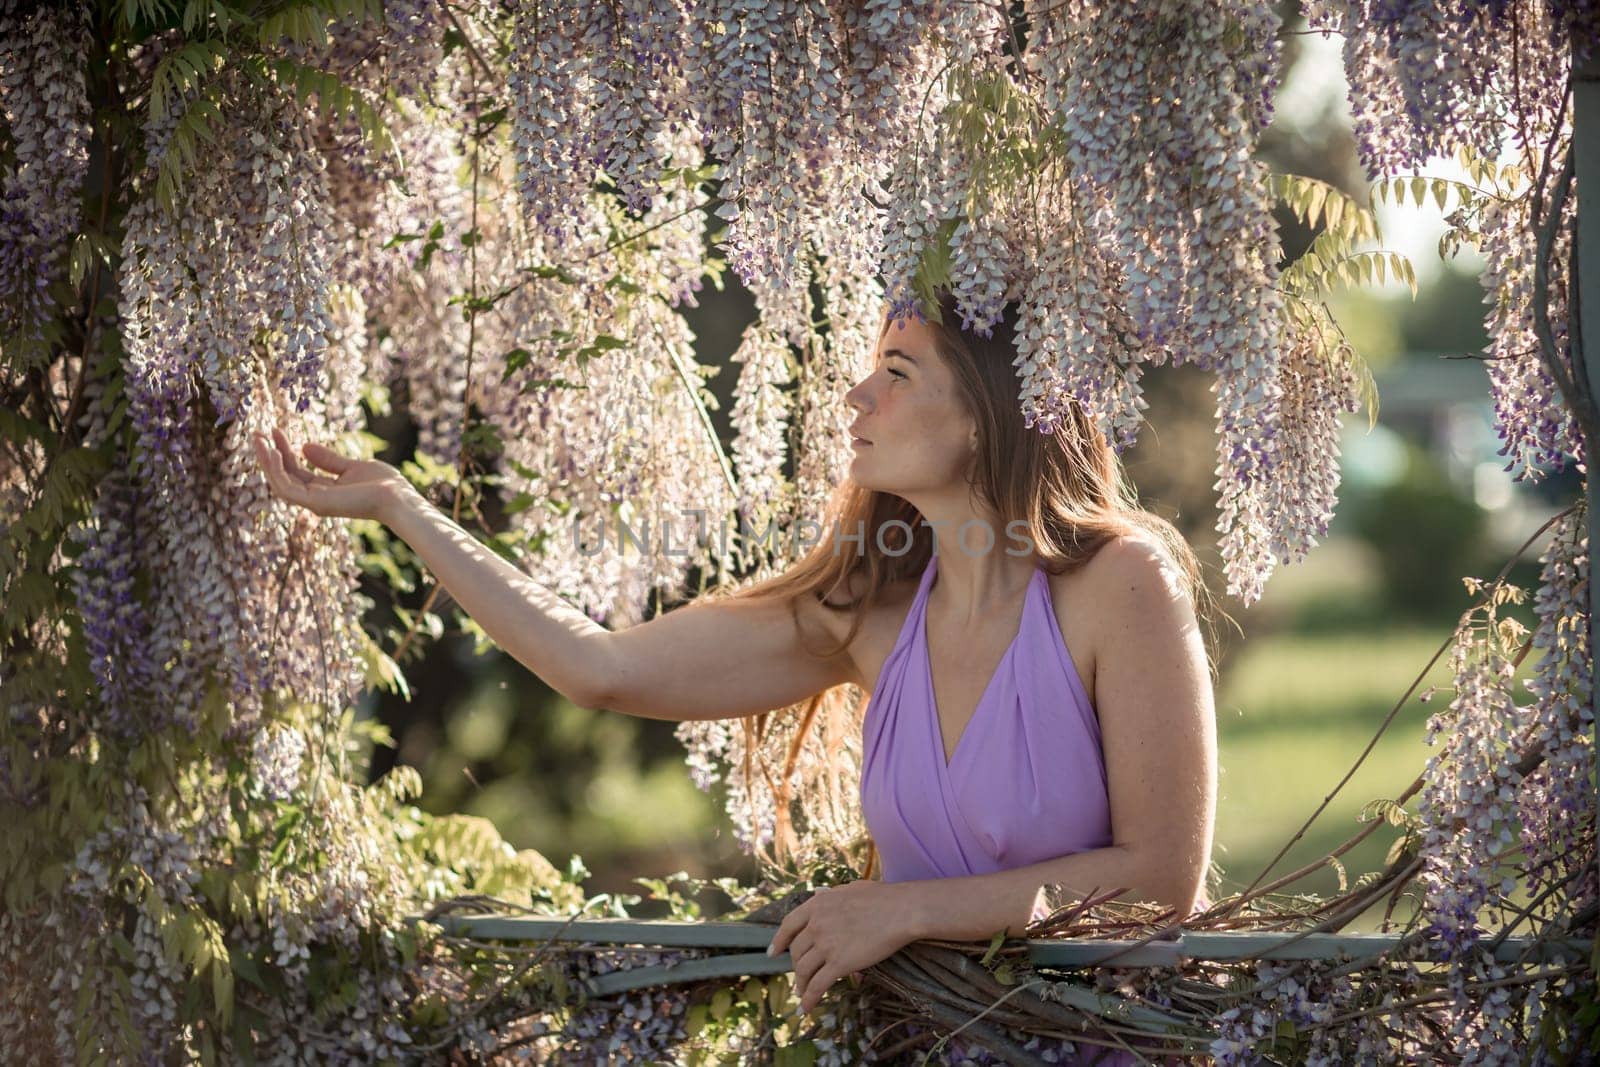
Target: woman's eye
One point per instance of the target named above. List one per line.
(896, 373)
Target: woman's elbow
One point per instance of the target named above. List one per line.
(1187, 895)
(590, 681)
(593, 699)
(599, 691)
(1174, 885)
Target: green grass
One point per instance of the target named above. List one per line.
(1294, 714)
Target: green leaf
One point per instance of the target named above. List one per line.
(599, 346)
(14, 426)
(519, 503)
(31, 595)
(78, 264)
(1334, 211)
(483, 437)
(799, 1054)
(559, 273)
(339, 99)
(302, 24)
(521, 468)
(489, 120)
(994, 947)
(778, 990)
(657, 886)
(182, 70)
(402, 783)
(516, 359)
(286, 830)
(222, 983)
(381, 671)
(193, 131)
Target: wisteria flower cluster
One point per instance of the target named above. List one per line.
(46, 112)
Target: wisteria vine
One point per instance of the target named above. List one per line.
(217, 220)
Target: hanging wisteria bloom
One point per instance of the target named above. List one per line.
(1532, 418)
(45, 110)
(1554, 808)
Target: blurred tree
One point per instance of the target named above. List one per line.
(1427, 534)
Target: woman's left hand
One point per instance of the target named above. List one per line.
(841, 930)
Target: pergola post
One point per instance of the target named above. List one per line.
(1585, 302)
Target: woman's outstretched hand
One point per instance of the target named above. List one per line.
(362, 489)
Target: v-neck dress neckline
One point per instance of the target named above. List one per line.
(935, 719)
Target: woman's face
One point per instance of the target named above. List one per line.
(911, 433)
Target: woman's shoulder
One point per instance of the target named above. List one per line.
(1118, 557)
(834, 614)
(1134, 592)
(1133, 556)
(1125, 573)
(1103, 599)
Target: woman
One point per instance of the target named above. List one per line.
(1041, 709)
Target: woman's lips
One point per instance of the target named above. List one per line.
(856, 442)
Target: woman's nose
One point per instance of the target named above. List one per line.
(857, 397)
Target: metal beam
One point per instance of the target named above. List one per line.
(1049, 952)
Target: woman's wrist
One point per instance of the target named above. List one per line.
(917, 912)
(398, 498)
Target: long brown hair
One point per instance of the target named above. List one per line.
(1068, 486)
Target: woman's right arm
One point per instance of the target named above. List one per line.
(711, 660)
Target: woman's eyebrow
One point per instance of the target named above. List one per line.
(902, 355)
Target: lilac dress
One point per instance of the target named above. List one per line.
(1027, 782)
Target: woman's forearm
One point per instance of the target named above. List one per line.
(974, 907)
(541, 631)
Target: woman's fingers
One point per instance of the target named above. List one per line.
(293, 467)
(272, 466)
(807, 966)
(327, 458)
(286, 449)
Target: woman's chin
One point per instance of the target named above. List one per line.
(870, 484)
